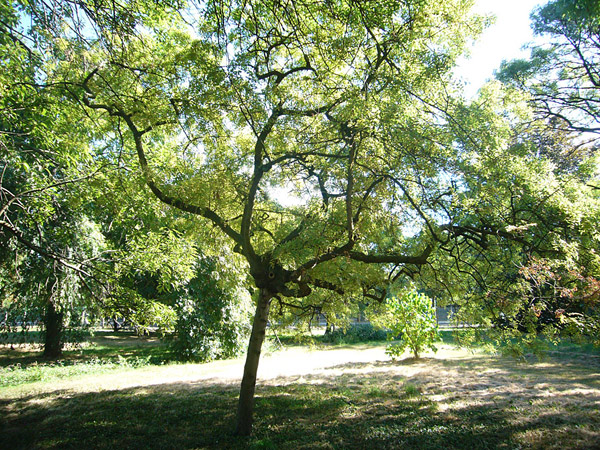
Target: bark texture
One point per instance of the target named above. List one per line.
(246, 400)
(53, 322)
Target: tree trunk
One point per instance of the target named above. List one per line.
(246, 401)
(329, 328)
(54, 325)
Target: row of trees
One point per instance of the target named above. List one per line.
(76, 229)
(137, 135)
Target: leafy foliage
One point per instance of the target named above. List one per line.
(349, 106)
(52, 246)
(212, 316)
(355, 333)
(410, 317)
(563, 75)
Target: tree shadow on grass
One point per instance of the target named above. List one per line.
(378, 408)
(108, 346)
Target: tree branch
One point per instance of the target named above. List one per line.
(116, 111)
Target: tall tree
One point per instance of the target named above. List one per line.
(348, 106)
(539, 182)
(562, 82)
(53, 220)
(42, 156)
(342, 105)
(563, 74)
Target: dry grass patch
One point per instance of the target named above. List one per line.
(334, 399)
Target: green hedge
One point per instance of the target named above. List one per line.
(355, 333)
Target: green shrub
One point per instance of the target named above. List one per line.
(410, 318)
(355, 333)
(212, 317)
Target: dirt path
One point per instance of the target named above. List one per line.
(288, 365)
(449, 370)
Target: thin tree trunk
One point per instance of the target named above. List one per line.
(328, 327)
(246, 401)
(54, 325)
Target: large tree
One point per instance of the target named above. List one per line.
(58, 230)
(344, 104)
(347, 106)
(563, 73)
(561, 82)
(45, 234)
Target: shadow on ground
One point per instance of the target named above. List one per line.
(434, 405)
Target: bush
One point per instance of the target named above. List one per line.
(355, 333)
(411, 317)
(212, 317)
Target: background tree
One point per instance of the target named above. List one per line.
(562, 81)
(49, 240)
(541, 191)
(56, 234)
(563, 75)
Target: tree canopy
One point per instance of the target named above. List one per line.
(348, 107)
(563, 74)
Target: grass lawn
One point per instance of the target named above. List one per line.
(345, 397)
